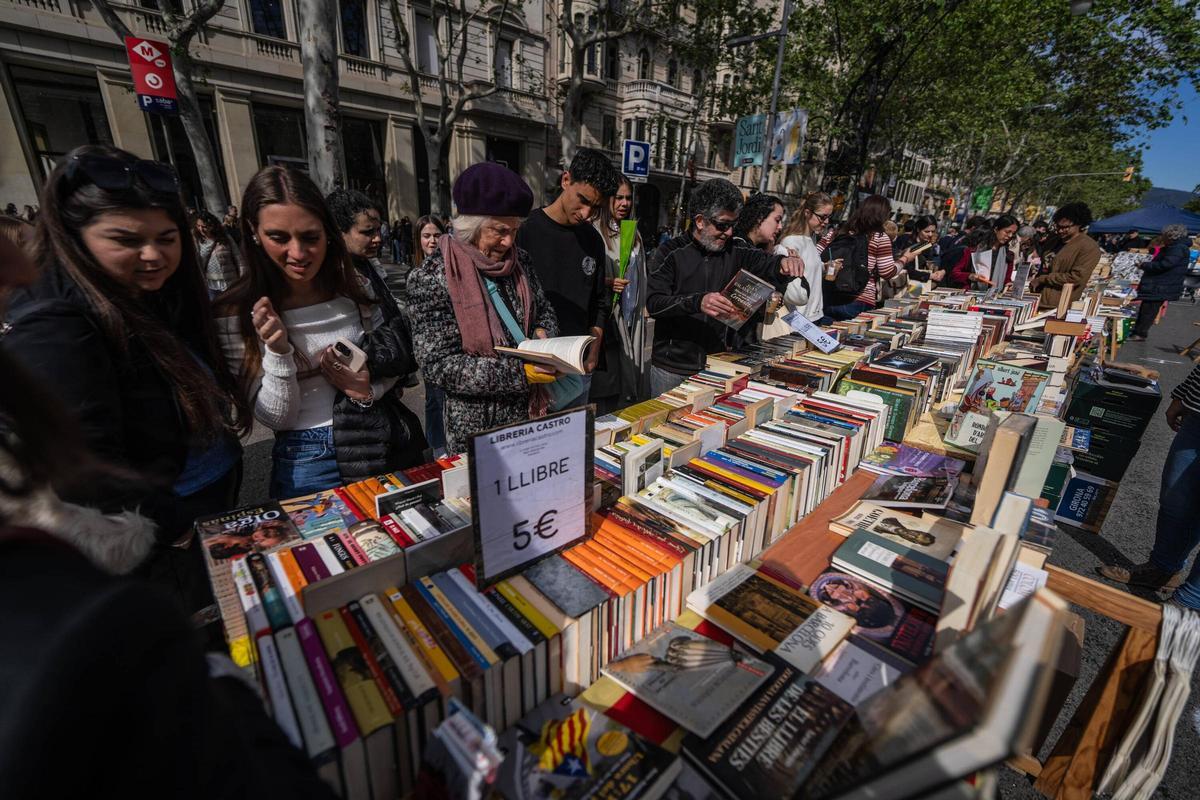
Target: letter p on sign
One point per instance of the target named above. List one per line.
(635, 162)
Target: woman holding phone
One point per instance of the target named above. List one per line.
(291, 327)
(118, 323)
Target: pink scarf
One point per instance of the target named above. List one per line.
(478, 323)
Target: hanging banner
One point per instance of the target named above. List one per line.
(530, 491)
(748, 142)
(787, 143)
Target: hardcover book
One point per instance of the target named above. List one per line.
(915, 576)
(905, 630)
(748, 293)
(694, 680)
(563, 750)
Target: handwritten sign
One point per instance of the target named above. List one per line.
(819, 338)
(529, 482)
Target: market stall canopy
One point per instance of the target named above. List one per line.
(1148, 219)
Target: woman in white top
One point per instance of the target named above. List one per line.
(799, 239)
(278, 324)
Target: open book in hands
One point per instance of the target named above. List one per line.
(564, 354)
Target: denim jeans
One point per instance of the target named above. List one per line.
(848, 311)
(662, 380)
(1178, 530)
(435, 425)
(303, 462)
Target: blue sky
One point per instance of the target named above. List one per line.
(1171, 158)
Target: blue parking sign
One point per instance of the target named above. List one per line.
(635, 161)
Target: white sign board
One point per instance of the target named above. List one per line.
(529, 484)
(819, 338)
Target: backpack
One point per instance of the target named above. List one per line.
(854, 275)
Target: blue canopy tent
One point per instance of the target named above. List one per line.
(1148, 219)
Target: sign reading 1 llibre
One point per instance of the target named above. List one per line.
(819, 338)
(153, 78)
(529, 487)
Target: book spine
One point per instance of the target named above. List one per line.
(291, 601)
(327, 557)
(457, 624)
(386, 677)
(310, 562)
(366, 702)
(351, 505)
(337, 710)
(281, 705)
(518, 601)
(295, 576)
(318, 738)
(354, 548)
(398, 534)
(421, 637)
(415, 674)
(439, 628)
(344, 559)
(492, 614)
(256, 615)
(272, 598)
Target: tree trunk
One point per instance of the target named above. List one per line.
(318, 58)
(211, 181)
(572, 128)
(443, 169)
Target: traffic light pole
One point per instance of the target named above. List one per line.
(769, 132)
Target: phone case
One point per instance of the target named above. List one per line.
(357, 358)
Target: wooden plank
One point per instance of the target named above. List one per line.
(1027, 764)
(1093, 732)
(1107, 600)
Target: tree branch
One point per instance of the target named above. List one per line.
(114, 22)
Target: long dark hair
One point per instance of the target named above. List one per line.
(280, 185)
(756, 209)
(175, 323)
(868, 217)
(428, 219)
(1002, 221)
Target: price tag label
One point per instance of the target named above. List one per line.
(529, 484)
(819, 338)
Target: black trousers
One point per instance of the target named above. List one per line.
(1147, 313)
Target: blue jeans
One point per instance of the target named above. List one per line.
(848, 311)
(303, 462)
(663, 381)
(435, 425)
(1178, 530)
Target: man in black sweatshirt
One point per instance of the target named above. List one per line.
(686, 276)
(568, 252)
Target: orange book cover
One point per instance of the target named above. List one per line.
(606, 578)
(291, 569)
(616, 549)
(647, 548)
(632, 579)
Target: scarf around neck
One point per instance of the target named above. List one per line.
(478, 323)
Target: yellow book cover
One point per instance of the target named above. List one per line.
(420, 634)
(350, 666)
(544, 626)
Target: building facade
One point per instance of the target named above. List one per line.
(64, 81)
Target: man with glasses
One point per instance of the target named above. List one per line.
(1076, 259)
(686, 276)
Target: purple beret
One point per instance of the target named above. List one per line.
(492, 190)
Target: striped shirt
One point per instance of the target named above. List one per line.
(1188, 392)
(879, 263)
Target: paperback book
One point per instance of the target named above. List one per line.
(901, 491)
(911, 574)
(748, 293)
(935, 536)
(907, 631)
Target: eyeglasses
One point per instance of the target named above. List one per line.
(822, 217)
(1064, 226)
(114, 174)
(721, 224)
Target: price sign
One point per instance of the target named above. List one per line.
(529, 487)
(819, 338)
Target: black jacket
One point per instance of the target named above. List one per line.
(1162, 276)
(125, 406)
(680, 274)
(107, 673)
(387, 436)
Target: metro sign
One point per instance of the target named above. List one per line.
(153, 78)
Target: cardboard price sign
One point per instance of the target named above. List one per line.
(819, 338)
(153, 76)
(529, 491)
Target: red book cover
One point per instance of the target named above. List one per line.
(360, 641)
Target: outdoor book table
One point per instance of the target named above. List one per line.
(1082, 751)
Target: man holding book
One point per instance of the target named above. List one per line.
(687, 276)
(568, 253)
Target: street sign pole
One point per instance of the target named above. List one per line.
(770, 131)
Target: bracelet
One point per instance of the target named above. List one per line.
(370, 401)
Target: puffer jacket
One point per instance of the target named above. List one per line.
(1162, 276)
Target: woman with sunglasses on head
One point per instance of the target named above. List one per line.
(118, 324)
(799, 238)
(280, 327)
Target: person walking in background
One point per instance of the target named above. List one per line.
(476, 291)
(406, 238)
(385, 238)
(1074, 262)
(568, 253)
(625, 379)
(429, 230)
(804, 226)
(220, 259)
(126, 339)
(279, 323)
(1162, 279)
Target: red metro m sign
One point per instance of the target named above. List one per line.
(153, 78)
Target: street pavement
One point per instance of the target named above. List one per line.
(1125, 538)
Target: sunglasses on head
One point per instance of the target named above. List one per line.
(721, 224)
(114, 174)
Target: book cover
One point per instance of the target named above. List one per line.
(573, 592)
(1086, 501)
(770, 746)
(906, 361)
(564, 750)
(905, 630)
(854, 673)
(350, 666)
(901, 459)
(748, 293)
(902, 491)
(906, 571)
(993, 387)
(689, 677)
(315, 515)
(935, 536)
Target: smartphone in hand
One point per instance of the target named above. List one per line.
(349, 354)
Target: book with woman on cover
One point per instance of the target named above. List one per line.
(564, 354)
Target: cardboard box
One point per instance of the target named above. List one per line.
(1108, 455)
(1110, 404)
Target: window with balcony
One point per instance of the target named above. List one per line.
(640, 130)
(628, 128)
(162, 5)
(612, 61)
(280, 135)
(266, 18)
(590, 61)
(503, 63)
(354, 28)
(644, 65)
(673, 73)
(425, 43)
(608, 132)
(671, 150)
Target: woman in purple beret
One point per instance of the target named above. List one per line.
(456, 324)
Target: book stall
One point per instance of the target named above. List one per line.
(816, 568)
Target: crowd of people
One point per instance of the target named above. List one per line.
(143, 343)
